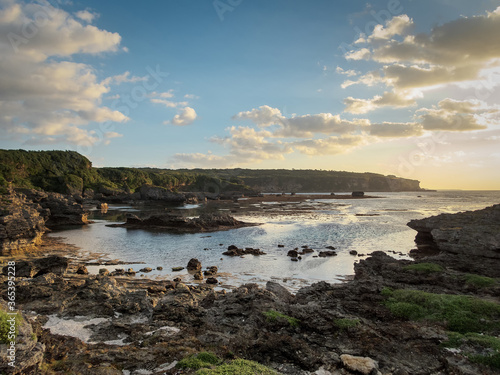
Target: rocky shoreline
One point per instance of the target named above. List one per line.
(439, 314)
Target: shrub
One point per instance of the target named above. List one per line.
(346, 323)
(5, 326)
(480, 343)
(274, 316)
(459, 313)
(198, 361)
(238, 367)
(424, 267)
(479, 281)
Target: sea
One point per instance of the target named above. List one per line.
(362, 225)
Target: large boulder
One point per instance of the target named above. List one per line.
(472, 233)
(21, 225)
(32, 268)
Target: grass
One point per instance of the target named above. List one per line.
(459, 313)
(5, 326)
(274, 316)
(198, 361)
(481, 343)
(346, 323)
(479, 281)
(424, 267)
(238, 367)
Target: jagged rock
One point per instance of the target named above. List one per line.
(232, 250)
(28, 352)
(363, 365)
(211, 271)
(149, 192)
(52, 264)
(471, 233)
(21, 225)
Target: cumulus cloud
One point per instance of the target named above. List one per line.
(185, 116)
(456, 51)
(396, 130)
(330, 145)
(349, 73)
(124, 78)
(162, 98)
(85, 15)
(45, 96)
(387, 99)
(455, 115)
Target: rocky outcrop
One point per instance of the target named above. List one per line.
(471, 233)
(157, 193)
(21, 225)
(59, 210)
(175, 223)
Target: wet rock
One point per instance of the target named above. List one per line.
(211, 271)
(353, 252)
(324, 254)
(363, 365)
(281, 245)
(82, 270)
(198, 275)
(307, 251)
(294, 259)
(130, 272)
(159, 268)
(146, 269)
(212, 280)
(194, 265)
(330, 247)
(279, 291)
(232, 250)
(118, 272)
(177, 269)
(293, 253)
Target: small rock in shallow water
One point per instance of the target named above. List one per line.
(146, 269)
(176, 269)
(212, 280)
(194, 265)
(353, 252)
(324, 254)
(159, 268)
(293, 253)
(198, 276)
(82, 270)
(103, 272)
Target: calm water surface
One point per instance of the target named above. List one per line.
(364, 225)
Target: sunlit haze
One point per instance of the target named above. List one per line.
(406, 88)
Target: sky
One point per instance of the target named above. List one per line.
(399, 87)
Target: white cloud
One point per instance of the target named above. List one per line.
(349, 73)
(330, 145)
(86, 16)
(396, 130)
(44, 92)
(124, 78)
(387, 99)
(185, 116)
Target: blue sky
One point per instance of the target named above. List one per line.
(397, 87)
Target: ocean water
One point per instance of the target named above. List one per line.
(364, 225)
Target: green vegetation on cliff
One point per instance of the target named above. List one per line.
(70, 172)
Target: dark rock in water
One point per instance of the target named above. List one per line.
(307, 251)
(212, 280)
(21, 224)
(471, 233)
(211, 271)
(324, 254)
(176, 223)
(198, 275)
(146, 269)
(330, 247)
(294, 259)
(281, 245)
(358, 194)
(159, 268)
(53, 264)
(194, 265)
(118, 272)
(177, 269)
(353, 252)
(82, 270)
(130, 272)
(234, 251)
(293, 253)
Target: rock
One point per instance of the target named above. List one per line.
(21, 225)
(293, 253)
(198, 275)
(363, 365)
(294, 259)
(176, 223)
(194, 265)
(146, 269)
(306, 251)
(279, 291)
(177, 269)
(52, 264)
(212, 280)
(130, 272)
(281, 245)
(353, 252)
(118, 272)
(324, 254)
(103, 272)
(211, 271)
(471, 233)
(234, 251)
(28, 352)
(149, 192)
(82, 270)
(330, 247)
(159, 268)
(358, 194)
